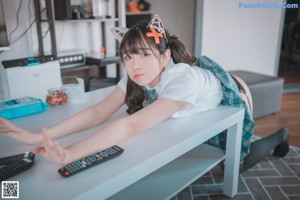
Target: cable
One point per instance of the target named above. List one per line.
(46, 32)
(61, 36)
(24, 32)
(26, 29)
(18, 12)
(30, 33)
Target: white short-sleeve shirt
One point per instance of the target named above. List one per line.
(181, 82)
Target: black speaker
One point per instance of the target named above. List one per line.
(62, 9)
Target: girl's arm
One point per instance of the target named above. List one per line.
(88, 118)
(116, 132)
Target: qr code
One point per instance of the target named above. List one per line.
(10, 189)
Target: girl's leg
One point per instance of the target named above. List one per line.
(259, 149)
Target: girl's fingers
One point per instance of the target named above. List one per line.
(52, 150)
(61, 153)
(5, 124)
(4, 129)
(3, 134)
(47, 141)
(57, 149)
(38, 150)
(42, 151)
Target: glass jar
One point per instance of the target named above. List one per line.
(57, 96)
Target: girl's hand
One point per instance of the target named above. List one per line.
(8, 129)
(52, 151)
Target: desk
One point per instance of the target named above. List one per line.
(156, 164)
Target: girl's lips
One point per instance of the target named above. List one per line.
(138, 75)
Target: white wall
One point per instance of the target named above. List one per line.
(239, 38)
(178, 18)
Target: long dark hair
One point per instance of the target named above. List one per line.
(131, 43)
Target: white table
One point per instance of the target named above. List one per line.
(156, 164)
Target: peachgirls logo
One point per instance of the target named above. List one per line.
(267, 5)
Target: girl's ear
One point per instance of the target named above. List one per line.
(166, 57)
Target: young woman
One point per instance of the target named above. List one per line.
(161, 82)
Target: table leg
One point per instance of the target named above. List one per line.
(232, 159)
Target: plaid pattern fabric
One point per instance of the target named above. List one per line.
(151, 95)
(231, 96)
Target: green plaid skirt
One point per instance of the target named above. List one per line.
(231, 96)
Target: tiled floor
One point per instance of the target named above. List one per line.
(271, 179)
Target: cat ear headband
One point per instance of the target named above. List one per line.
(119, 32)
(155, 25)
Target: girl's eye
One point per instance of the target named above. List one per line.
(127, 57)
(144, 54)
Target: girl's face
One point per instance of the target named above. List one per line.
(144, 67)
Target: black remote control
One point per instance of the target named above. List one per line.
(90, 161)
(9, 159)
(17, 166)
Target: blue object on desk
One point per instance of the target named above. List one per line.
(21, 107)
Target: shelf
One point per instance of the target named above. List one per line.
(139, 13)
(74, 68)
(172, 178)
(116, 17)
(89, 20)
(102, 61)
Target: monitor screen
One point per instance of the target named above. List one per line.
(4, 44)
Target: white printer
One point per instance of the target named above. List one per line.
(29, 77)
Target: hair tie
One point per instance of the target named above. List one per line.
(174, 37)
(171, 39)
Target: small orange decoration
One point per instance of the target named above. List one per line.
(154, 34)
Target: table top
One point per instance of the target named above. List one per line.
(143, 154)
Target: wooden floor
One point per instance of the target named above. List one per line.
(289, 116)
(292, 77)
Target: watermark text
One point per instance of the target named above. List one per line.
(267, 5)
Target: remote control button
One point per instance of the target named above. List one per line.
(27, 160)
(90, 159)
